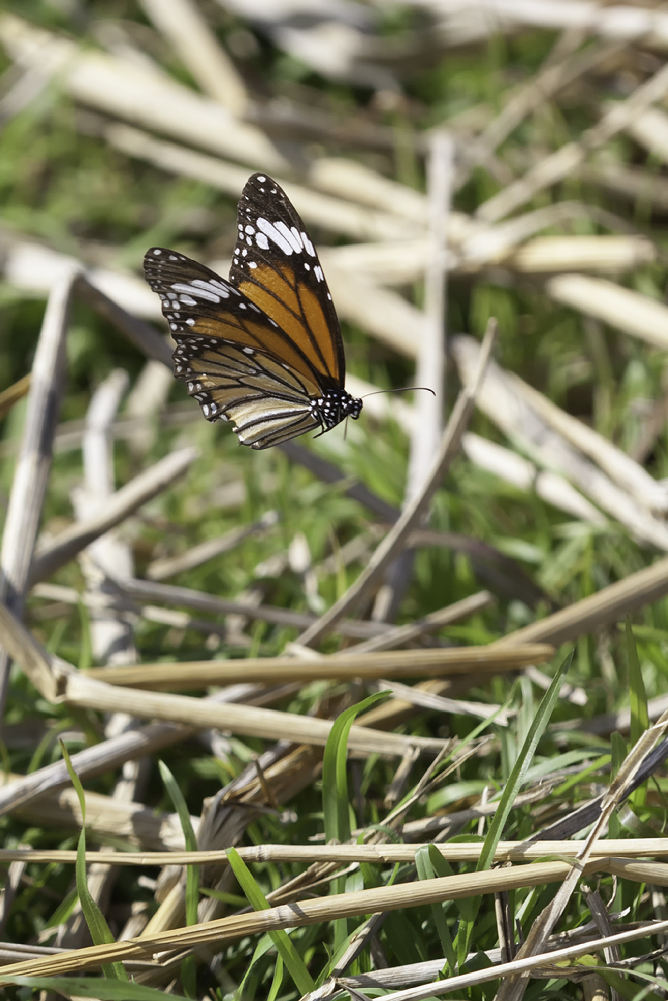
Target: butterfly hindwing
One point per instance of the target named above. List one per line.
(275, 264)
(221, 352)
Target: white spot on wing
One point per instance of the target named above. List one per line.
(199, 293)
(308, 246)
(317, 271)
(291, 235)
(274, 234)
(262, 241)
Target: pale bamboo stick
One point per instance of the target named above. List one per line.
(54, 554)
(401, 262)
(34, 461)
(621, 308)
(438, 662)
(194, 41)
(306, 912)
(509, 408)
(145, 590)
(111, 631)
(269, 724)
(619, 466)
(380, 854)
(151, 98)
(59, 680)
(145, 337)
(333, 213)
(168, 566)
(430, 370)
(399, 635)
(106, 817)
(558, 165)
(607, 606)
(515, 469)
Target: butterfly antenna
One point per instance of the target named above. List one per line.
(406, 389)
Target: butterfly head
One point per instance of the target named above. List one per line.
(333, 407)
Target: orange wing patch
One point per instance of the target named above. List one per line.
(297, 312)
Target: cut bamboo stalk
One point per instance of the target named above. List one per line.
(430, 370)
(609, 605)
(269, 724)
(145, 337)
(621, 22)
(96, 760)
(650, 130)
(554, 168)
(348, 179)
(635, 183)
(35, 268)
(144, 590)
(34, 461)
(501, 400)
(395, 541)
(315, 208)
(630, 849)
(107, 755)
(439, 662)
(621, 308)
(106, 817)
(122, 88)
(189, 34)
(111, 631)
(442, 704)
(399, 635)
(63, 683)
(306, 912)
(148, 484)
(515, 469)
(551, 962)
(401, 262)
(620, 467)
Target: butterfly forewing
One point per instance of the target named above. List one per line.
(276, 266)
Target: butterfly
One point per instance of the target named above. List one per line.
(264, 348)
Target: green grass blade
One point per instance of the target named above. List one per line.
(335, 801)
(637, 693)
(256, 898)
(63, 910)
(97, 925)
(521, 766)
(430, 864)
(277, 980)
(89, 987)
(469, 908)
(188, 970)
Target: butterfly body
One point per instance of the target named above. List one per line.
(262, 349)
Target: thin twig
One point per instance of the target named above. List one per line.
(396, 538)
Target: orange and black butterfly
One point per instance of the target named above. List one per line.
(263, 349)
